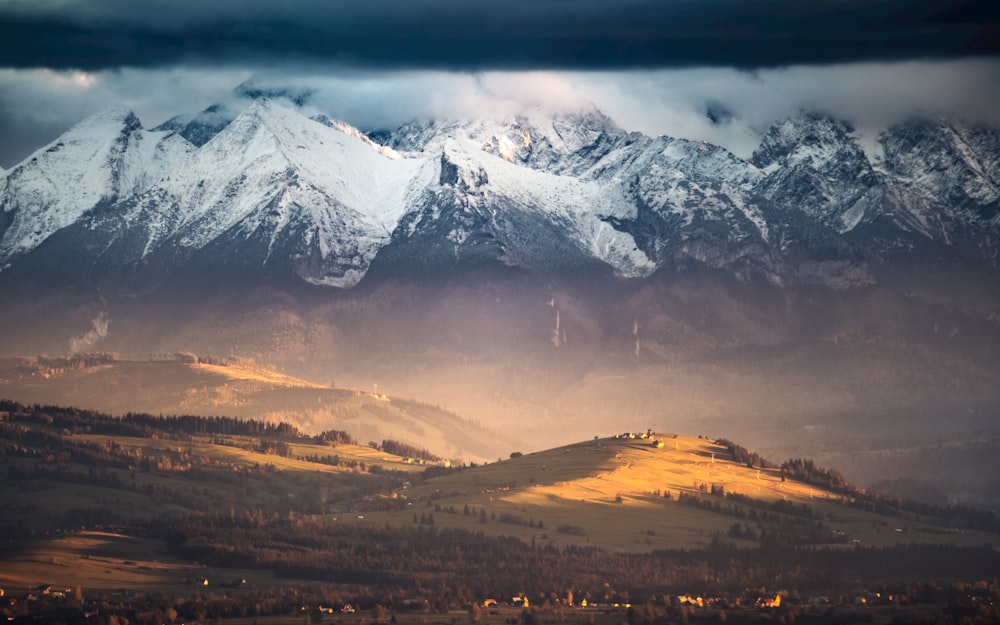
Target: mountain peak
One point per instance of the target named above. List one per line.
(815, 165)
(588, 116)
(275, 190)
(103, 158)
(250, 90)
(264, 107)
(278, 117)
(116, 116)
(560, 142)
(964, 159)
(809, 138)
(201, 127)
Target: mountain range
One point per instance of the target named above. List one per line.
(269, 190)
(545, 274)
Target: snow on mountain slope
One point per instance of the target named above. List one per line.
(272, 190)
(806, 188)
(200, 128)
(585, 144)
(814, 164)
(561, 143)
(582, 210)
(350, 130)
(949, 163)
(681, 182)
(689, 181)
(281, 189)
(103, 158)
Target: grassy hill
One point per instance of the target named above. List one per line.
(186, 384)
(234, 514)
(628, 493)
(67, 468)
(639, 492)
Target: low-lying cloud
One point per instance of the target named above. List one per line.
(718, 70)
(725, 106)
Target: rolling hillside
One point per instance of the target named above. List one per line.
(185, 384)
(644, 491)
(165, 511)
(627, 493)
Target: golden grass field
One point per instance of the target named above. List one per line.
(612, 489)
(607, 492)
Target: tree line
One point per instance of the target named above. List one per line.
(426, 559)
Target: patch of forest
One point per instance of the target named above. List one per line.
(88, 481)
(807, 471)
(427, 560)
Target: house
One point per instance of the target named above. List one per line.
(769, 601)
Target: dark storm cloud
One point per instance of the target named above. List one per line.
(492, 34)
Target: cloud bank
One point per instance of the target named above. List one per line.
(460, 35)
(716, 70)
(725, 106)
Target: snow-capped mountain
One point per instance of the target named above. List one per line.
(815, 165)
(273, 190)
(484, 209)
(949, 163)
(673, 187)
(201, 127)
(106, 158)
(560, 143)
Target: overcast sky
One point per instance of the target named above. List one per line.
(653, 65)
